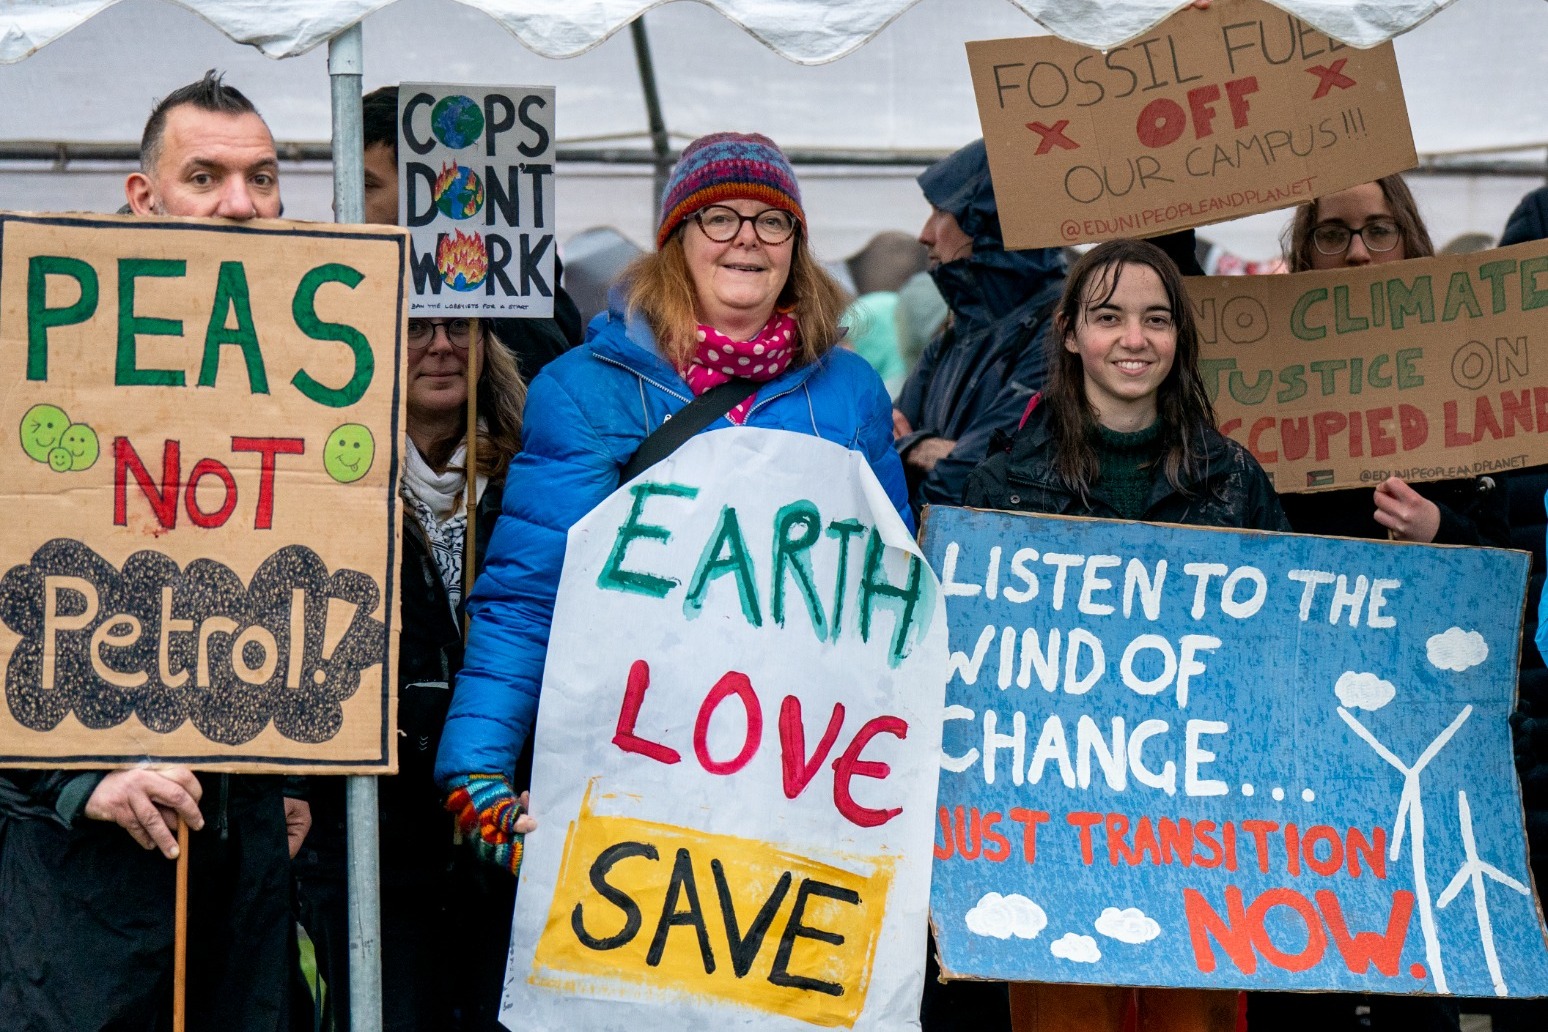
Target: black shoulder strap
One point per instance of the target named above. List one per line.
(689, 420)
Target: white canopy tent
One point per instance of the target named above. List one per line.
(93, 67)
(1471, 73)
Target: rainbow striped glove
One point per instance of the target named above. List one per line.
(488, 815)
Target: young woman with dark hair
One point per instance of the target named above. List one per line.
(1125, 431)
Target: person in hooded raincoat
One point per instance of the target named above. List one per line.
(978, 375)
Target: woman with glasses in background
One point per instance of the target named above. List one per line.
(430, 902)
(1372, 224)
(733, 290)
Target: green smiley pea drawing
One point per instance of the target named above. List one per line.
(59, 460)
(79, 442)
(348, 454)
(41, 429)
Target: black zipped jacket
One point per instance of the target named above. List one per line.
(1228, 489)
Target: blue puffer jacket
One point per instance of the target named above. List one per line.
(979, 374)
(587, 413)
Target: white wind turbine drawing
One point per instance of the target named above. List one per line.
(1411, 807)
(1472, 872)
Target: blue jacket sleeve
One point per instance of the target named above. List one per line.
(564, 470)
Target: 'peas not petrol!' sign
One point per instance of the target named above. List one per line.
(476, 190)
(199, 436)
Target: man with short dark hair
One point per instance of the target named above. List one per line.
(86, 940)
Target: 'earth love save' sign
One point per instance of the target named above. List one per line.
(736, 753)
(202, 430)
(1234, 760)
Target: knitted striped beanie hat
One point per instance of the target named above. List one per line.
(723, 167)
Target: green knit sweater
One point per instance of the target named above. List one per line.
(1128, 462)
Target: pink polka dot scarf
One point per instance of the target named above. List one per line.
(718, 358)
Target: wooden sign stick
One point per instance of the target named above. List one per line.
(470, 477)
(180, 933)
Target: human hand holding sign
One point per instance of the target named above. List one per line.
(492, 817)
(1407, 515)
(147, 802)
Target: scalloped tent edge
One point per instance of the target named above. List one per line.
(807, 32)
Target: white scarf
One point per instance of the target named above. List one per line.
(435, 500)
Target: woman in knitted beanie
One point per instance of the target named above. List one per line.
(732, 294)
(1125, 431)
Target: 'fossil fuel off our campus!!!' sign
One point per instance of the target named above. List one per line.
(201, 424)
(1210, 116)
(476, 191)
(1428, 369)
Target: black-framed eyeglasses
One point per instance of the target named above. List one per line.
(721, 224)
(1332, 238)
(422, 331)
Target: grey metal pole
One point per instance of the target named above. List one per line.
(661, 148)
(364, 847)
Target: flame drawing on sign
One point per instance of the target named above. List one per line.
(461, 260)
(1473, 871)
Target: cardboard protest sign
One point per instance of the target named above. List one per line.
(1211, 116)
(736, 753)
(476, 190)
(1223, 759)
(202, 463)
(1419, 369)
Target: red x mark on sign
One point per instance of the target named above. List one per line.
(1052, 136)
(1329, 77)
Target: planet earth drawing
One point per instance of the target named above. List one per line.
(456, 121)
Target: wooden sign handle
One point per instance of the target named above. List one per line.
(470, 482)
(180, 933)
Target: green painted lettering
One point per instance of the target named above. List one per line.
(1459, 295)
(1495, 273)
(875, 590)
(1531, 295)
(303, 309)
(797, 527)
(131, 326)
(1328, 369)
(1294, 379)
(1343, 322)
(231, 298)
(613, 576)
(1257, 392)
(1210, 369)
(843, 530)
(1407, 375)
(41, 318)
(1405, 300)
(726, 553)
(1298, 324)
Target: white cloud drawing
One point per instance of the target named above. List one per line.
(1455, 649)
(1082, 949)
(1001, 917)
(1129, 925)
(1363, 691)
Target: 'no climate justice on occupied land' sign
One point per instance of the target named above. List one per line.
(1223, 759)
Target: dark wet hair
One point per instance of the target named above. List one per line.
(379, 117)
(1182, 406)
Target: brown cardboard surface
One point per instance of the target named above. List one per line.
(1210, 116)
(1426, 369)
(212, 372)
